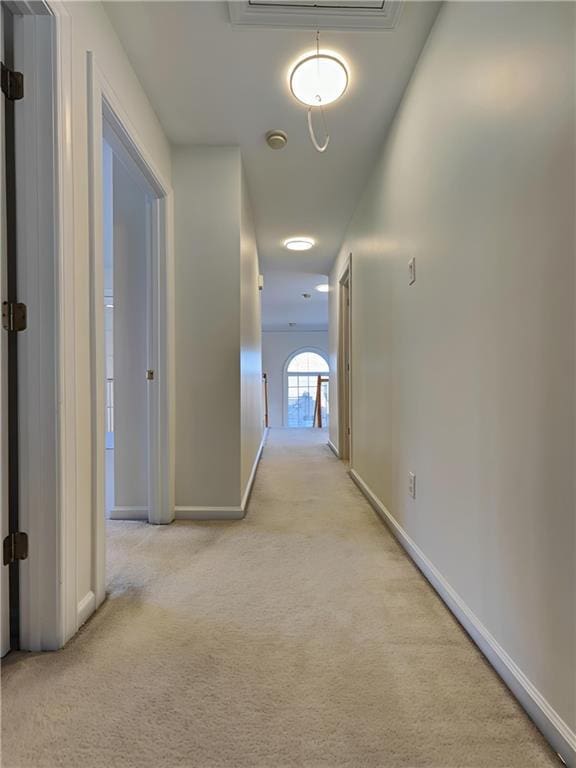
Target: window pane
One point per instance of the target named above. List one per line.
(302, 391)
(308, 362)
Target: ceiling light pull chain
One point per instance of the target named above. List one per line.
(317, 145)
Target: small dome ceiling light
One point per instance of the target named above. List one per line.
(299, 243)
(316, 80)
(323, 288)
(276, 139)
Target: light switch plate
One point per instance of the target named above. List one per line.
(412, 484)
(412, 271)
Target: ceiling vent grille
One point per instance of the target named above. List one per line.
(313, 14)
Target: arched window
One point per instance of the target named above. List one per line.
(303, 372)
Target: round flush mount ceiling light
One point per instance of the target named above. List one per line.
(299, 243)
(319, 78)
(323, 288)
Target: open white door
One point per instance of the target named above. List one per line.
(4, 586)
(344, 368)
(127, 356)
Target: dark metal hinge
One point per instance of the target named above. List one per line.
(15, 547)
(12, 84)
(14, 316)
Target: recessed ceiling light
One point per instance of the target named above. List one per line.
(319, 78)
(299, 243)
(323, 288)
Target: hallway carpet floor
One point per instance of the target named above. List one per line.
(299, 637)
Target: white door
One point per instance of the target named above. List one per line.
(131, 250)
(344, 370)
(4, 588)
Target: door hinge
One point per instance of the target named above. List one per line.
(14, 316)
(15, 547)
(12, 84)
(150, 374)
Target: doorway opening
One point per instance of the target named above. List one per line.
(131, 326)
(307, 403)
(344, 367)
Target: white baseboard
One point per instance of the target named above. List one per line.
(86, 607)
(250, 483)
(128, 513)
(333, 448)
(555, 730)
(208, 513)
(224, 513)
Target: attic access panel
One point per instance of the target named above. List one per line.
(311, 14)
(339, 4)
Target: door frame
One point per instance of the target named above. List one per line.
(345, 362)
(103, 104)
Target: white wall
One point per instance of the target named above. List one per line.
(277, 347)
(467, 377)
(207, 267)
(217, 330)
(92, 31)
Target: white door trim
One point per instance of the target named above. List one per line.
(344, 377)
(104, 103)
(64, 208)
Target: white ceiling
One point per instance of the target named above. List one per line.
(214, 83)
(283, 303)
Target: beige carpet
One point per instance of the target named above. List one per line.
(301, 636)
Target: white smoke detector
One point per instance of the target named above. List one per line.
(276, 139)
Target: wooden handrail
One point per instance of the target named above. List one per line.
(265, 379)
(318, 403)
